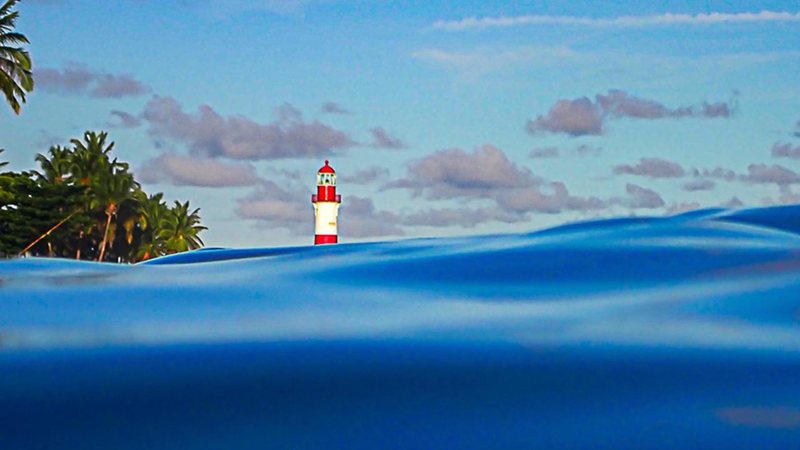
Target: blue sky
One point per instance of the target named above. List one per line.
(441, 118)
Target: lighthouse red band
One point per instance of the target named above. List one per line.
(326, 206)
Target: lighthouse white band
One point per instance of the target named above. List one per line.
(326, 214)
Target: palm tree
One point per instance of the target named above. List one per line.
(15, 62)
(180, 229)
(111, 190)
(152, 210)
(90, 157)
(57, 167)
(4, 163)
(90, 163)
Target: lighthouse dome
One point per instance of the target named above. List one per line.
(326, 168)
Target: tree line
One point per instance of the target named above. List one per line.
(82, 203)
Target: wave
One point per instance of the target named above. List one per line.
(667, 332)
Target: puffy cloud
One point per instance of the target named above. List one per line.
(719, 173)
(334, 108)
(486, 173)
(78, 79)
(698, 184)
(382, 139)
(763, 173)
(619, 103)
(278, 207)
(184, 170)
(665, 19)
(574, 117)
(651, 167)
(208, 133)
(548, 198)
(360, 219)
(640, 197)
(584, 116)
(785, 150)
(756, 173)
(456, 173)
(366, 176)
(124, 120)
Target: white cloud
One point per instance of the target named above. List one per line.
(186, 170)
(665, 19)
(209, 133)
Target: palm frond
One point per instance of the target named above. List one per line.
(15, 62)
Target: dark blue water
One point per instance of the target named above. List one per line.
(679, 332)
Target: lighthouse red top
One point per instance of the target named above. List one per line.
(326, 168)
(326, 185)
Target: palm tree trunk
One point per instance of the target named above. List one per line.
(80, 242)
(47, 233)
(105, 237)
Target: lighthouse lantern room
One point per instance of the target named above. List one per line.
(326, 206)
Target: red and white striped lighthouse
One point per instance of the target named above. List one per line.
(326, 206)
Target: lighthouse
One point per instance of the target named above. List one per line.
(326, 206)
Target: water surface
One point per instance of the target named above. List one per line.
(677, 332)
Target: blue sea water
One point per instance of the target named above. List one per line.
(651, 333)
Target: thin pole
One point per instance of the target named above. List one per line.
(47, 234)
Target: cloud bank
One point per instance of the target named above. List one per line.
(698, 184)
(641, 197)
(360, 219)
(455, 173)
(585, 116)
(666, 19)
(209, 133)
(651, 167)
(785, 150)
(486, 173)
(276, 206)
(184, 170)
(78, 79)
(365, 176)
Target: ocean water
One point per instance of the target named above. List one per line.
(651, 333)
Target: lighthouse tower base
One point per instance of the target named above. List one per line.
(326, 229)
(325, 239)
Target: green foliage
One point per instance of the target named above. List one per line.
(15, 63)
(152, 210)
(56, 166)
(180, 229)
(33, 209)
(83, 204)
